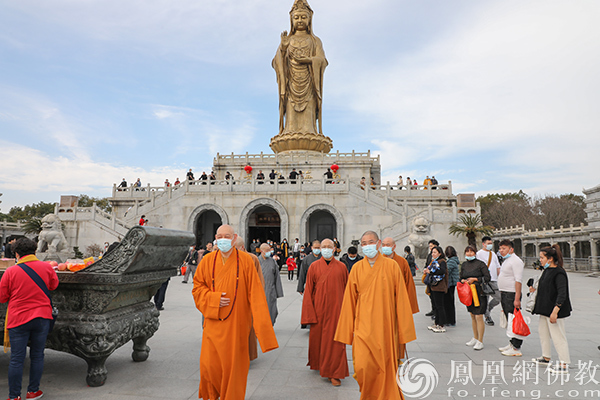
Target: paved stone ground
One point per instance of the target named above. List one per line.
(172, 370)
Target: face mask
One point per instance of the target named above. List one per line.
(470, 258)
(352, 258)
(224, 245)
(546, 265)
(268, 254)
(506, 256)
(370, 250)
(316, 251)
(386, 250)
(490, 247)
(327, 253)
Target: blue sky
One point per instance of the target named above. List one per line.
(495, 96)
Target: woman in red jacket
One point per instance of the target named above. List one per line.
(29, 316)
(291, 264)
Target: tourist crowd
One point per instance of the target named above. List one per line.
(337, 292)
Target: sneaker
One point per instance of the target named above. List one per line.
(478, 345)
(183, 281)
(439, 329)
(559, 369)
(489, 321)
(16, 398)
(541, 361)
(512, 352)
(472, 342)
(34, 395)
(501, 349)
(432, 327)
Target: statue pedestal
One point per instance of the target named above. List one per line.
(59, 257)
(301, 141)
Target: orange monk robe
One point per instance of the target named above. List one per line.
(224, 357)
(252, 344)
(323, 296)
(375, 318)
(411, 290)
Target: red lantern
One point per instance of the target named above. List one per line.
(334, 168)
(248, 169)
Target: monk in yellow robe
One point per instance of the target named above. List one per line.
(388, 249)
(252, 343)
(323, 295)
(376, 318)
(228, 292)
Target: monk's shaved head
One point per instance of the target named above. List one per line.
(239, 244)
(388, 242)
(368, 234)
(225, 232)
(265, 247)
(327, 244)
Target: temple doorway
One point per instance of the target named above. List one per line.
(321, 225)
(206, 227)
(264, 223)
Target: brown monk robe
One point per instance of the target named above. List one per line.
(408, 280)
(376, 317)
(228, 292)
(323, 295)
(252, 341)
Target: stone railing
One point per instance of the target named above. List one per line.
(292, 157)
(94, 213)
(11, 225)
(521, 231)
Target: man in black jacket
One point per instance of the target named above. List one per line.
(351, 257)
(191, 262)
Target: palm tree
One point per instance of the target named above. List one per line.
(33, 225)
(471, 226)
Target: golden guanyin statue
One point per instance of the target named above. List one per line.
(299, 64)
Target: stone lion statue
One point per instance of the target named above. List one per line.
(51, 239)
(419, 238)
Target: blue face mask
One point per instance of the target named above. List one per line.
(370, 250)
(224, 245)
(268, 254)
(470, 258)
(327, 253)
(352, 258)
(490, 247)
(316, 251)
(546, 265)
(506, 256)
(386, 250)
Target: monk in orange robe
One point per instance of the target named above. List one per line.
(228, 292)
(388, 249)
(325, 283)
(376, 318)
(252, 343)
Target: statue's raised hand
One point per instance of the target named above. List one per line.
(285, 39)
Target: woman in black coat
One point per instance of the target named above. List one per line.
(474, 271)
(553, 304)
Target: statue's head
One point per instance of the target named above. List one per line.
(420, 225)
(301, 17)
(51, 222)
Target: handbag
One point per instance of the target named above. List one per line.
(487, 289)
(519, 326)
(40, 282)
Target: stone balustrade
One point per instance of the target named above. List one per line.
(521, 231)
(251, 184)
(297, 156)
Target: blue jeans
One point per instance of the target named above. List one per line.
(35, 331)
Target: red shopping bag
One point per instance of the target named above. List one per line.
(464, 293)
(183, 269)
(519, 325)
